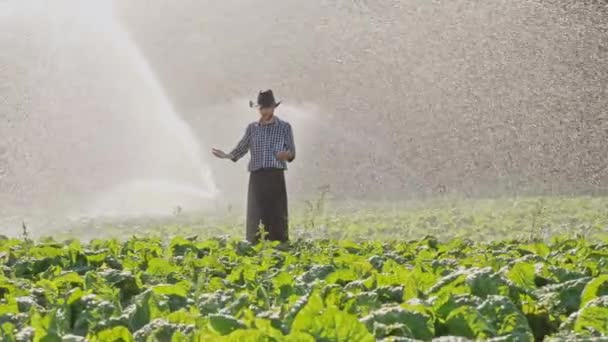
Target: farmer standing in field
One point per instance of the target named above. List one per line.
(270, 141)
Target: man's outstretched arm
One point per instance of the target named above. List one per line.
(242, 147)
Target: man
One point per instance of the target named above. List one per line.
(270, 141)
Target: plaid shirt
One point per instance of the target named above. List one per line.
(264, 142)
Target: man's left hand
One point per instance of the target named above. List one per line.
(284, 155)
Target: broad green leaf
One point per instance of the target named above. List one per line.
(210, 262)
(71, 278)
(210, 245)
(283, 284)
(359, 264)
(595, 288)
(506, 317)
(317, 272)
(566, 272)
(96, 257)
(564, 298)
(75, 295)
(170, 290)
(215, 284)
(445, 304)
(179, 246)
(593, 318)
(334, 296)
(179, 336)
(224, 324)
(157, 330)
(246, 335)
(11, 307)
(453, 283)
(350, 247)
(48, 251)
(390, 294)
(145, 309)
(6, 332)
(538, 248)
(298, 336)
(522, 274)
(183, 317)
(466, 321)
(161, 267)
(116, 334)
(418, 325)
(266, 326)
(485, 282)
(312, 307)
(342, 276)
(331, 325)
(47, 327)
(417, 305)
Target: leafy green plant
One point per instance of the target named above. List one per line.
(182, 288)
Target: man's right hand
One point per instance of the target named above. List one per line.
(220, 154)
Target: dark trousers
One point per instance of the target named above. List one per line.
(267, 204)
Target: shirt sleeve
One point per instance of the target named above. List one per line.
(290, 144)
(243, 146)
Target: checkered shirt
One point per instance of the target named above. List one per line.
(264, 142)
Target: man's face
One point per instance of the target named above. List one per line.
(266, 112)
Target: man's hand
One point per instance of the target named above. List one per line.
(284, 155)
(220, 154)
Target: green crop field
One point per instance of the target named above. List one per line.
(501, 270)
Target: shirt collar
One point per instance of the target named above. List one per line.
(274, 121)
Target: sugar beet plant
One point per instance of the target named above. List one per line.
(145, 289)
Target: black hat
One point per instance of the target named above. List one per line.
(265, 100)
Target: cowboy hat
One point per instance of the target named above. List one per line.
(265, 100)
